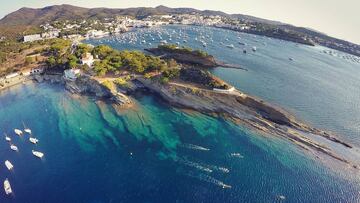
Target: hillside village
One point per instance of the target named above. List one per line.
(99, 28)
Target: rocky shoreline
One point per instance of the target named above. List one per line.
(235, 106)
(191, 59)
(86, 85)
(247, 110)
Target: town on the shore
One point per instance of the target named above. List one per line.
(107, 26)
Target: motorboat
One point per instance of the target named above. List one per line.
(14, 148)
(9, 165)
(18, 132)
(254, 48)
(7, 187)
(7, 138)
(28, 130)
(38, 154)
(33, 140)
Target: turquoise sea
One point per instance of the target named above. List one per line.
(156, 153)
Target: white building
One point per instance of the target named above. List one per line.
(96, 33)
(31, 38)
(33, 71)
(12, 75)
(51, 34)
(88, 59)
(71, 74)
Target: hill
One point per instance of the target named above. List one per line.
(27, 20)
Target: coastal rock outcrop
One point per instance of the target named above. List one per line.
(245, 109)
(90, 86)
(189, 58)
(86, 85)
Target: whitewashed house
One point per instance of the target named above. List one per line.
(12, 75)
(51, 34)
(31, 38)
(88, 60)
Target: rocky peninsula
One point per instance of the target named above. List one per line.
(180, 76)
(187, 56)
(195, 88)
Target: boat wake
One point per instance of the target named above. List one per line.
(209, 179)
(203, 167)
(195, 165)
(236, 155)
(194, 147)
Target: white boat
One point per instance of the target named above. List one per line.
(8, 165)
(13, 147)
(231, 46)
(254, 48)
(7, 187)
(7, 138)
(18, 132)
(27, 130)
(33, 140)
(163, 42)
(37, 154)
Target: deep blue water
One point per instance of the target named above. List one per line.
(152, 153)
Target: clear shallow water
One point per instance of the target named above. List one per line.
(176, 156)
(88, 146)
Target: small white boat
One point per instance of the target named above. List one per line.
(7, 138)
(27, 130)
(8, 165)
(37, 154)
(18, 132)
(7, 187)
(231, 46)
(254, 48)
(163, 42)
(13, 147)
(281, 197)
(33, 140)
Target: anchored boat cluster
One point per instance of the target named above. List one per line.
(8, 164)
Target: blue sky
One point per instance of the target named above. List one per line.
(336, 18)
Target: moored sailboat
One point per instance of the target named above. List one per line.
(38, 154)
(7, 187)
(9, 165)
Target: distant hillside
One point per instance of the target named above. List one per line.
(27, 20)
(30, 16)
